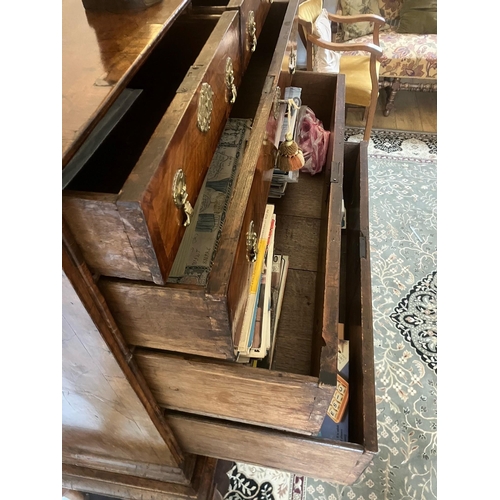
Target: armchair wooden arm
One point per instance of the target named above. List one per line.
(342, 47)
(370, 18)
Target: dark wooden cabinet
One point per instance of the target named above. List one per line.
(151, 385)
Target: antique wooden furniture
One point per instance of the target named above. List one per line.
(361, 71)
(152, 393)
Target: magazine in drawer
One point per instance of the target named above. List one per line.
(130, 202)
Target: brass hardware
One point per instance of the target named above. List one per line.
(252, 30)
(230, 80)
(292, 61)
(180, 195)
(205, 106)
(276, 102)
(251, 243)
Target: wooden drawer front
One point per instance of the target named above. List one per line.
(170, 319)
(240, 277)
(331, 461)
(133, 230)
(235, 392)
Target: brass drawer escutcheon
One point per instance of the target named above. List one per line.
(252, 30)
(251, 243)
(205, 105)
(180, 195)
(231, 87)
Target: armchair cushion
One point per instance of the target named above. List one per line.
(324, 60)
(404, 55)
(310, 10)
(390, 10)
(356, 7)
(418, 16)
(358, 85)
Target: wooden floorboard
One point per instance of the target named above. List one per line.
(415, 111)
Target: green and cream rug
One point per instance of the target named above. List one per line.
(403, 226)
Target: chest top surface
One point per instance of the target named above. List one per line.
(100, 53)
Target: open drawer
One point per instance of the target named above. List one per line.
(120, 205)
(199, 318)
(236, 412)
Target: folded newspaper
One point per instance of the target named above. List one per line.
(199, 245)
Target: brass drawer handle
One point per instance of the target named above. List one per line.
(180, 195)
(231, 87)
(251, 243)
(205, 105)
(252, 30)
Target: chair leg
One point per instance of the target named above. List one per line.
(391, 95)
(369, 118)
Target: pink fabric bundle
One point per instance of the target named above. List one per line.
(312, 139)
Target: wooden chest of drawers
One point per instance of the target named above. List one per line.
(181, 336)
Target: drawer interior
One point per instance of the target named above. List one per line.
(159, 78)
(298, 231)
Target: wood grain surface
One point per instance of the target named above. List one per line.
(359, 321)
(317, 458)
(128, 487)
(230, 271)
(101, 52)
(104, 239)
(108, 410)
(169, 318)
(235, 392)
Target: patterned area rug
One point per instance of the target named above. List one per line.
(403, 226)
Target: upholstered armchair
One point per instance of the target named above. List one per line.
(361, 70)
(408, 41)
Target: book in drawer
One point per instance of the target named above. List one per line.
(127, 206)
